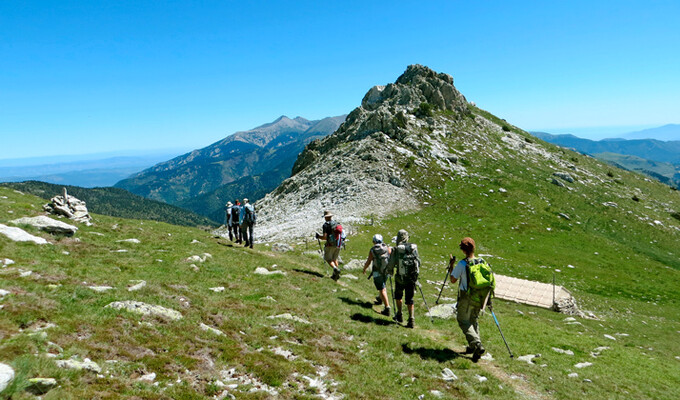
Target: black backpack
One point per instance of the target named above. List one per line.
(235, 213)
(411, 262)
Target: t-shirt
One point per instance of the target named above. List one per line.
(460, 273)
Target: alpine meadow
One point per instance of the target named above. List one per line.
(144, 309)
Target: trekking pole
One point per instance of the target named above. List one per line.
(424, 301)
(452, 261)
(499, 330)
(320, 248)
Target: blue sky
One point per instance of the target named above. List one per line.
(96, 76)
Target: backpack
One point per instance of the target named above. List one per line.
(381, 258)
(409, 262)
(235, 213)
(337, 235)
(481, 280)
(249, 217)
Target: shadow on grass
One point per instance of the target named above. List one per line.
(441, 355)
(363, 304)
(308, 272)
(367, 319)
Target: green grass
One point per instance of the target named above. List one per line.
(626, 272)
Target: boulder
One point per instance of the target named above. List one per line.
(4, 292)
(6, 376)
(20, 235)
(210, 329)
(444, 311)
(79, 365)
(145, 309)
(70, 207)
(265, 271)
(40, 386)
(564, 176)
(136, 285)
(47, 224)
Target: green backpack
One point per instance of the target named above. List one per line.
(481, 281)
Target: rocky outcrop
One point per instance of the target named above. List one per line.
(146, 309)
(70, 207)
(47, 224)
(20, 235)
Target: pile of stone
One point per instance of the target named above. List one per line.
(70, 207)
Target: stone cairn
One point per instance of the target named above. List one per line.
(70, 207)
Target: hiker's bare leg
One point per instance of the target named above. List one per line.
(383, 297)
(399, 303)
(410, 310)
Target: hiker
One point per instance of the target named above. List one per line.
(235, 219)
(247, 222)
(228, 219)
(379, 256)
(332, 237)
(470, 302)
(405, 258)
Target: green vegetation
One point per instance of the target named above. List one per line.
(116, 202)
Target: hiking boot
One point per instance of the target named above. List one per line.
(397, 317)
(469, 350)
(411, 323)
(385, 312)
(478, 353)
(251, 245)
(336, 274)
(378, 301)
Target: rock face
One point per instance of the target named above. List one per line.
(70, 207)
(362, 169)
(20, 235)
(47, 224)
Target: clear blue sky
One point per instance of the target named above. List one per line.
(93, 76)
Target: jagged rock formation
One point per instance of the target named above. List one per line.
(70, 207)
(364, 168)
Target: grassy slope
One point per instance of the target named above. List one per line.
(626, 273)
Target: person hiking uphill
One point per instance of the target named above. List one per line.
(379, 255)
(470, 301)
(407, 262)
(331, 251)
(235, 220)
(247, 223)
(228, 219)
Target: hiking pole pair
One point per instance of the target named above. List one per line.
(425, 301)
(499, 330)
(452, 262)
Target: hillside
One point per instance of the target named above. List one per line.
(242, 154)
(662, 171)
(116, 203)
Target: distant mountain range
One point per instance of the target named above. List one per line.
(245, 164)
(655, 158)
(94, 170)
(670, 132)
(115, 202)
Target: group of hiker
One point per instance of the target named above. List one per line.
(473, 275)
(240, 220)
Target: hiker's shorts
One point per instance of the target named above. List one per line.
(379, 280)
(331, 253)
(401, 287)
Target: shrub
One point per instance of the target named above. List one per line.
(635, 198)
(506, 128)
(424, 110)
(610, 174)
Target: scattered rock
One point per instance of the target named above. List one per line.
(573, 375)
(145, 309)
(487, 356)
(217, 289)
(287, 354)
(269, 298)
(443, 311)
(199, 259)
(529, 358)
(133, 240)
(448, 375)
(610, 204)
(353, 265)
(195, 241)
(349, 276)
(79, 365)
(136, 285)
(436, 393)
(565, 216)
(6, 261)
(556, 182)
(207, 328)
(282, 247)
(587, 381)
(70, 207)
(564, 176)
(610, 337)
(100, 288)
(20, 235)
(47, 224)
(6, 376)
(481, 378)
(4, 292)
(598, 350)
(40, 386)
(289, 317)
(265, 271)
(583, 365)
(231, 375)
(562, 351)
(25, 274)
(148, 377)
